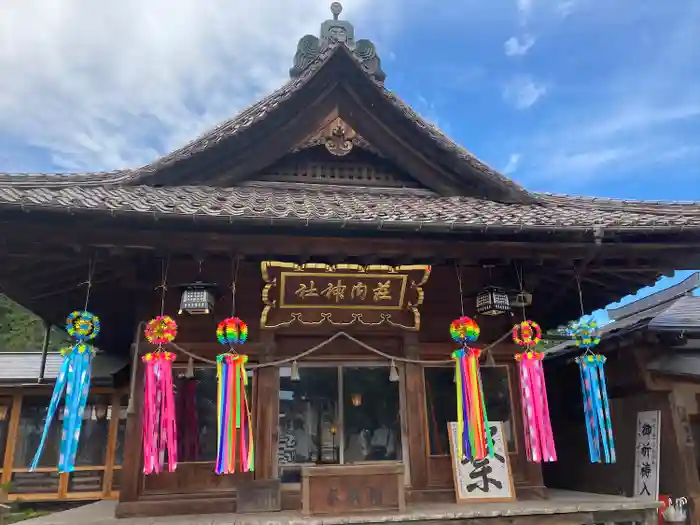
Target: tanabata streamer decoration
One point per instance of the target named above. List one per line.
(234, 429)
(539, 439)
(474, 440)
(527, 334)
(596, 408)
(74, 378)
(159, 425)
(585, 334)
(232, 331)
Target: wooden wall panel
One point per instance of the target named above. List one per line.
(266, 422)
(417, 438)
(132, 462)
(193, 478)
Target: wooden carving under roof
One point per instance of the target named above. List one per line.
(338, 137)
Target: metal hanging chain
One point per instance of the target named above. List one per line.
(234, 278)
(580, 294)
(587, 351)
(519, 273)
(88, 282)
(458, 271)
(163, 286)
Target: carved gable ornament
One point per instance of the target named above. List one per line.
(334, 32)
(338, 137)
(343, 295)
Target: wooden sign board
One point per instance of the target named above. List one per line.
(342, 295)
(647, 453)
(489, 479)
(343, 489)
(259, 496)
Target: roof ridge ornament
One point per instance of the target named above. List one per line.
(337, 32)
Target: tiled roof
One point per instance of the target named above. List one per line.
(670, 309)
(683, 315)
(122, 192)
(25, 366)
(244, 120)
(353, 206)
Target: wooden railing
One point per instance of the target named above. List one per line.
(87, 482)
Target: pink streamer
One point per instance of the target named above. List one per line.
(159, 425)
(539, 439)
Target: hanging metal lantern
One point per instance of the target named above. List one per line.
(522, 299)
(492, 301)
(197, 298)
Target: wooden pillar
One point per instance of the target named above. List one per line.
(529, 482)
(111, 443)
(266, 417)
(688, 473)
(416, 415)
(11, 442)
(132, 472)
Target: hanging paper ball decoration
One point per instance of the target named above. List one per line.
(232, 331)
(82, 326)
(161, 330)
(585, 334)
(527, 333)
(464, 330)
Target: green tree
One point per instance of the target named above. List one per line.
(22, 331)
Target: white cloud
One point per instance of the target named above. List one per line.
(583, 162)
(104, 85)
(518, 47)
(512, 165)
(524, 9)
(566, 7)
(641, 117)
(523, 91)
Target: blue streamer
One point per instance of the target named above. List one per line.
(74, 378)
(51, 412)
(606, 408)
(598, 411)
(76, 399)
(596, 408)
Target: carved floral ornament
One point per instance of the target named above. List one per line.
(339, 138)
(314, 294)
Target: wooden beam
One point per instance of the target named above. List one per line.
(11, 443)
(183, 242)
(111, 444)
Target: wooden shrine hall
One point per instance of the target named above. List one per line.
(348, 233)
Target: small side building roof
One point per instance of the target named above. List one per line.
(670, 309)
(23, 368)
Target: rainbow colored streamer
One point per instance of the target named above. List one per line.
(234, 427)
(539, 439)
(159, 425)
(474, 440)
(596, 408)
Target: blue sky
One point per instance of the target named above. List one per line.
(567, 96)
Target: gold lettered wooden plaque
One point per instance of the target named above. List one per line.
(342, 294)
